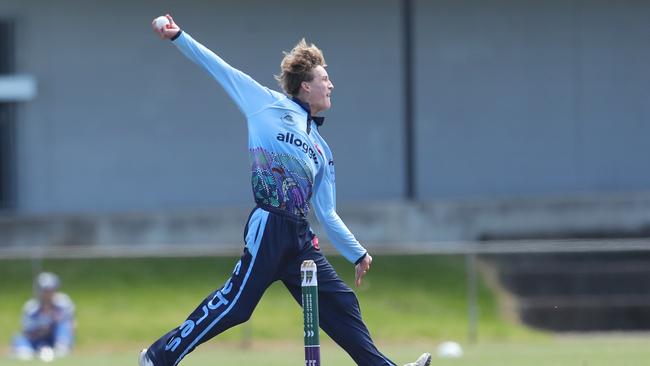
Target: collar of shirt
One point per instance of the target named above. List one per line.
(318, 120)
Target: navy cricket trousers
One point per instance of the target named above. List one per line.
(276, 245)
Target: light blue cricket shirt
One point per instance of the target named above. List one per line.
(291, 164)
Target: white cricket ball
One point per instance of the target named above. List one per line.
(450, 350)
(161, 22)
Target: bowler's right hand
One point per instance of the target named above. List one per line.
(169, 31)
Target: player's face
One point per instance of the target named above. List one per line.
(47, 295)
(319, 91)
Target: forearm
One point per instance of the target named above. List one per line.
(204, 57)
(244, 91)
(341, 237)
(64, 334)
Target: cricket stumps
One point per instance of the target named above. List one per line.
(310, 311)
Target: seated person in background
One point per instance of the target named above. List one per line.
(48, 322)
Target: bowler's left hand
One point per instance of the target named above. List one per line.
(362, 268)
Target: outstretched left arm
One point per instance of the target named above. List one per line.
(324, 202)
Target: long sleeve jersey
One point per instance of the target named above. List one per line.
(291, 164)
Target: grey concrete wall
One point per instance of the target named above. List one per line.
(514, 98)
(123, 122)
(530, 98)
(385, 225)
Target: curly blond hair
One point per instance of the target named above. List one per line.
(297, 66)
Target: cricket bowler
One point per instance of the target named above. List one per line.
(292, 170)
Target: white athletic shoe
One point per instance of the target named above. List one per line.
(424, 360)
(143, 360)
(46, 354)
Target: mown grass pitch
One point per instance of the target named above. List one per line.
(410, 304)
(403, 298)
(574, 351)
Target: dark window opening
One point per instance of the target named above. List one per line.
(7, 120)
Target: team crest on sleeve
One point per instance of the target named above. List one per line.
(288, 119)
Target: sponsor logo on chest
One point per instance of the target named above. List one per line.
(291, 139)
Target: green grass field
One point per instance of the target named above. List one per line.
(582, 351)
(410, 304)
(132, 300)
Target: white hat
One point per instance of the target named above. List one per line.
(47, 281)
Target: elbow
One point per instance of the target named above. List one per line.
(330, 218)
